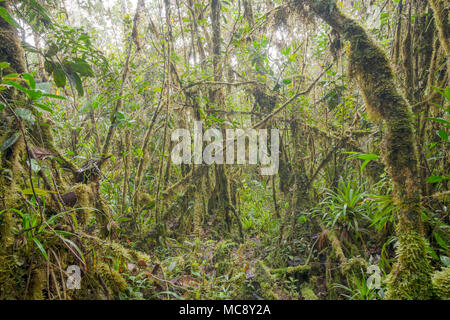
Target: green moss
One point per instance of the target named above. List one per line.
(410, 277)
(301, 269)
(12, 278)
(6, 225)
(38, 283)
(111, 277)
(442, 24)
(441, 283)
(85, 201)
(354, 265)
(265, 281)
(222, 258)
(308, 293)
(10, 48)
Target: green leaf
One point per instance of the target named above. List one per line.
(4, 65)
(52, 219)
(53, 49)
(76, 81)
(66, 233)
(119, 115)
(74, 219)
(54, 96)
(30, 80)
(49, 66)
(16, 85)
(168, 293)
(25, 114)
(364, 164)
(368, 156)
(435, 179)
(11, 76)
(29, 47)
(42, 12)
(447, 93)
(441, 133)
(9, 142)
(41, 248)
(76, 248)
(440, 241)
(60, 78)
(439, 120)
(82, 68)
(432, 253)
(34, 94)
(5, 15)
(43, 107)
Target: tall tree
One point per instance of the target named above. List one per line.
(410, 277)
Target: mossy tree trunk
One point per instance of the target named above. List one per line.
(410, 276)
(220, 198)
(11, 161)
(441, 13)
